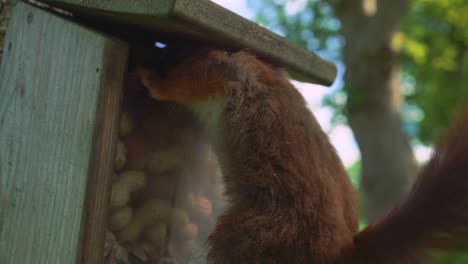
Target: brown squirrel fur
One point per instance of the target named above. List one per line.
(290, 200)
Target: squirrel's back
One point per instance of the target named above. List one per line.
(290, 198)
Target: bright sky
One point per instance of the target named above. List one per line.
(237, 6)
(340, 136)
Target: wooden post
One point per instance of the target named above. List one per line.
(60, 93)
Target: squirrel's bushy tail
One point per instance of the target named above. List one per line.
(433, 216)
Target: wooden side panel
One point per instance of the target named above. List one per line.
(60, 90)
(102, 160)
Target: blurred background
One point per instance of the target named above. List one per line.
(403, 73)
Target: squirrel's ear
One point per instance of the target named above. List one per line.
(151, 80)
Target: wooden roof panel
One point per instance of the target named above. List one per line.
(206, 21)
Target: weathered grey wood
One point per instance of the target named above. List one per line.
(56, 84)
(141, 7)
(101, 165)
(207, 21)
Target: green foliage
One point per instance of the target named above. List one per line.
(354, 173)
(453, 258)
(311, 23)
(435, 62)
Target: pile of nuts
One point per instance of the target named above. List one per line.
(167, 190)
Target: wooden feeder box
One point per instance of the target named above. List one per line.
(62, 92)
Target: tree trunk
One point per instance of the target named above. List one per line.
(373, 85)
(6, 7)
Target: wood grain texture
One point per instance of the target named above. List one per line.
(56, 88)
(208, 22)
(101, 168)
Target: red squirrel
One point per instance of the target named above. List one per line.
(290, 199)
